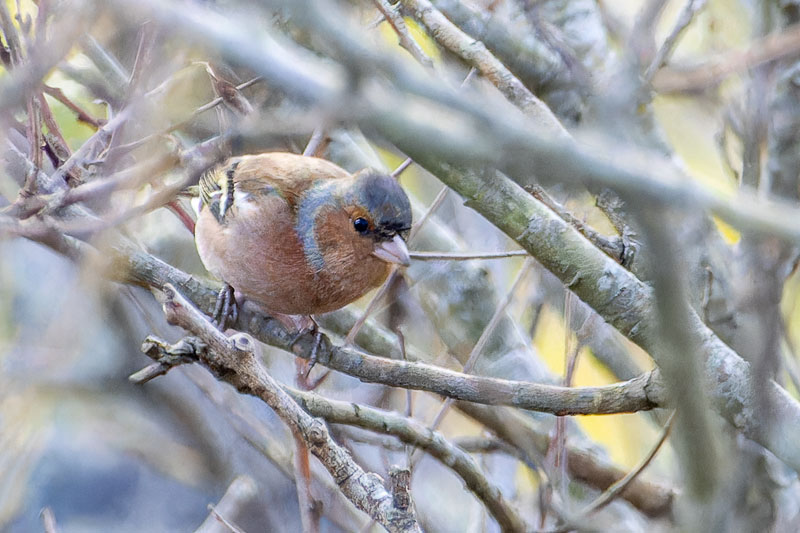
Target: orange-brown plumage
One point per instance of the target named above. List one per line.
(287, 237)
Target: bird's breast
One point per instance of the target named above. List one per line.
(259, 252)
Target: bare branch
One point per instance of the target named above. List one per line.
(769, 48)
(653, 499)
(619, 487)
(234, 360)
(397, 23)
(49, 521)
(414, 433)
(629, 396)
(690, 9)
(475, 53)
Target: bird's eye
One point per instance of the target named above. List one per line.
(361, 225)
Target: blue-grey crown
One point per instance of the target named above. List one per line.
(386, 202)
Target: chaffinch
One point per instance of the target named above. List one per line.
(299, 235)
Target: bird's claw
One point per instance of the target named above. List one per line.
(225, 311)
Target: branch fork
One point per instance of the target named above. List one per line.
(236, 360)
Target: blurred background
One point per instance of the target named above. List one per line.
(118, 90)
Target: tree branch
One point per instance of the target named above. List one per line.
(414, 433)
(234, 360)
(131, 266)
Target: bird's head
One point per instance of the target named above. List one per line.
(367, 217)
(380, 214)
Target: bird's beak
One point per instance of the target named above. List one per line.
(394, 251)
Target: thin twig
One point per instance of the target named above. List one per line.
(55, 136)
(142, 59)
(373, 303)
(486, 334)
(617, 488)
(315, 141)
(239, 493)
(400, 169)
(34, 134)
(437, 201)
(197, 112)
(456, 256)
(82, 115)
(224, 521)
(476, 55)
(397, 23)
(309, 515)
(690, 9)
(613, 247)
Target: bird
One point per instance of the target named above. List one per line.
(298, 235)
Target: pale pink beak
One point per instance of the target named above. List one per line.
(394, 251)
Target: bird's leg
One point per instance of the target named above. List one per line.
(225, 311)
(315, 349)
(310, 326)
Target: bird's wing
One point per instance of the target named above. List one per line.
(285, 174)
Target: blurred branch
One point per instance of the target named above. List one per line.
(542, 66)
(678, 339)
(11, 36)
(241, 492)
(620, 486)
(72, 17)
(476, 55)
(49, 521)
(107, 64)
(770, 48)
(690, 9)
(395, 20)
(653, 499)
(234, 360)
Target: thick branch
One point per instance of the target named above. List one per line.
(625, 397)
(621, 299)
